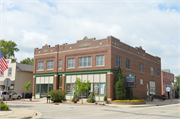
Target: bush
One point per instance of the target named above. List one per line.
(57, 95)
(4, 106)
(73, 99)
(105, 98)
(91, 99)
(77, 99)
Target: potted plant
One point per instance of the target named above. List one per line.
(105, 99)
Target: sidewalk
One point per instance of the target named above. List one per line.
(17, 113)
(26, 113)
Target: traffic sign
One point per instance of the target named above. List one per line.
(7, 82)
(168, 89)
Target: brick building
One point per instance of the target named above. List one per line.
(166, 79)
(97, 61)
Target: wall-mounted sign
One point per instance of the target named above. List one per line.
(130, 80)
(45, 50)
(85, 44)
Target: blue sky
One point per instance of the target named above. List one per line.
(152, 24)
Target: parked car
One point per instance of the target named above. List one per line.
(3, 95)
(15, 95)
(177, 95)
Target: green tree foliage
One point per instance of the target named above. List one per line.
(177, 80)
(8, 48)
(91, 99)
(57, 95)
(27, 85)
(81, 86)
(120, 88)
(74, 96)
(28, 60)
(105, 98)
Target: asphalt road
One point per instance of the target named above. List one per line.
(103, 112)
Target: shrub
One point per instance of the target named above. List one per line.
(57, 95)
(4, 106)
(105, 98)
(91, 99)
(73, 99)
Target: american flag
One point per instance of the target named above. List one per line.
(3, 63)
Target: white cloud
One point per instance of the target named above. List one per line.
(134, 23)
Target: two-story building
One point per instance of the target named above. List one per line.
(19, 74)
(58, 67)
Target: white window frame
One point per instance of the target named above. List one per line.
(50, 65)
(41, 65)
(70, 62)
(100, 60)
(153, 85)
(87, 61)
(141, 81)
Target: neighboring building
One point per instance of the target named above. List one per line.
(166, 79)
(97, 61)
(19, 74)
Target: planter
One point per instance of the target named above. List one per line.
(128, 102)
(75, 101)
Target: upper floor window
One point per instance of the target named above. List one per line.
(50, 64)
(100, 60)
(9, 71)
(141, 81)
(40, 65)
(118, 61)
(84, 61)
(128, 64)
(158, 72)
(60, 64)
(2, 74)
(71, 63)
(141, 67)
(152, 71)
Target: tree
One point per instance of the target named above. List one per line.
(8, 48)
(177, 80)
(28, 60)
(27, 85)
(120, 88)
(81, 86)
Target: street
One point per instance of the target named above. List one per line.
(63, 111)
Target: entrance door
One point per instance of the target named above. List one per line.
(147, 91)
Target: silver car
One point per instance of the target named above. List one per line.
(15, 95)
(3, 95)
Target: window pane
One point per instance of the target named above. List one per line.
(68, 88)
(37, 88)
(89, 61)
(96, 89)
(72, 63)
(72, 89)
(60, 64)
(85, 61)
(69, 63)
(97, 60)
(80, 62)
(102, 89)
(116, 61)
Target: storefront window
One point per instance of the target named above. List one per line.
(102, 89)
(50, 87)
(70, 89)
(44, 88)
(37, 88)
(152, 88)
(96, 89)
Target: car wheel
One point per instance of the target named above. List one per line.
(18, 97)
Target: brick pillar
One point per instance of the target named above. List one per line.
(110, 85)
(63, 82)
(33, 86)
(55, 82)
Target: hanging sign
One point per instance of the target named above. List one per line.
(130, 80)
